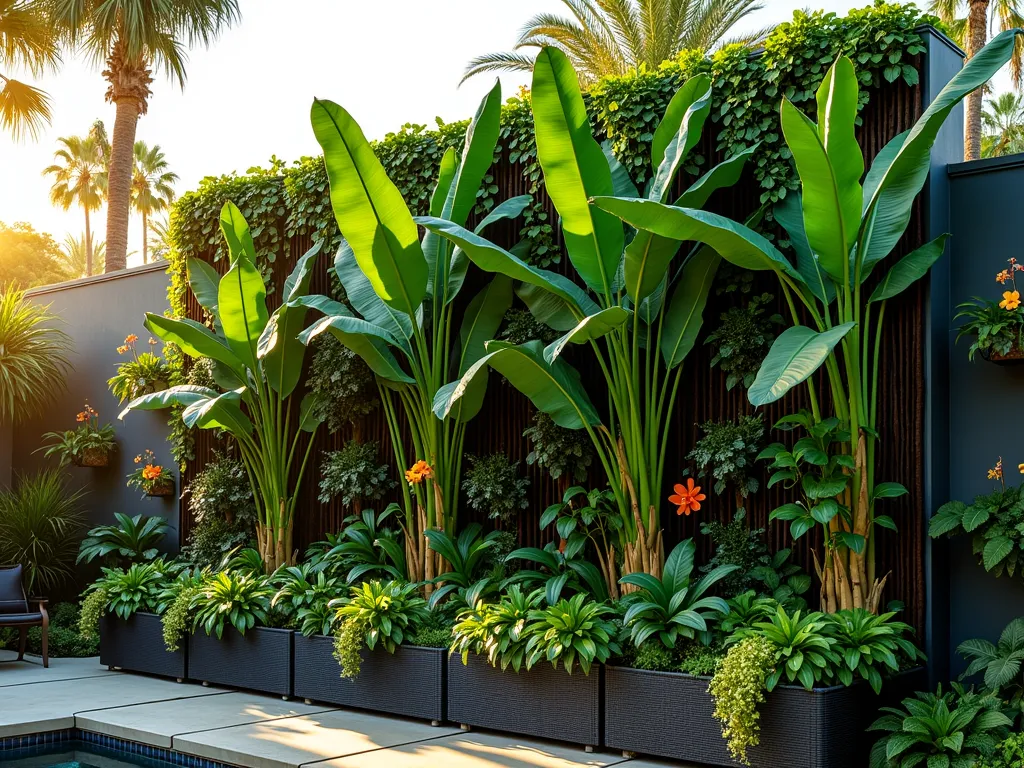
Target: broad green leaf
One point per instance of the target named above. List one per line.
(482, 319)
(371, 213)
(837, 100)
(477, 154)
(678, 133)
(589, 328)
(509, 209)
(184, 394)
(310, 417)
(734, 242)
(221, 412)
(946, 519)
(241, 294)
(203, 280)
(723, 175)
(789, 213)
(795, 355)
(909, 269)
(685, 313)
(552, 388)
(622, 183)
(194, 339)
(368, 341)
(547, 308)
(974, 517)
(881, 164)
(888, 211)
(236, 232)
(574, 170)
(996, 550)
(364, 299)
(445, 177)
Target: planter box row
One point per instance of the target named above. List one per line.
(613, 707)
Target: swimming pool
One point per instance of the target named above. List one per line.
(81, 749)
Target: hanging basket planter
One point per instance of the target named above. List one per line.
(92, 457)
(1014, 357)
(163, 488)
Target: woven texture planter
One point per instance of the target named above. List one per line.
(161, 489)
(259, 660)
(409, 682)
(823, 728)
(93, 457)
(543, 702)
(138, 645)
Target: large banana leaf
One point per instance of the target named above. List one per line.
(194, 339)
(589, 328)
(837, 100)
(508, 209)
(482, 319)
(547, 308)
(203, 280)
(723, 175)
(796, 354)
(236, 232)
(789, 213)
(685, 313)
(371, 213)
(734, 242)
(220, 412)
(242, 294)
(678, 133)
(552, 388)
(888, 211)
(909, 269)
(477, 154)
(445, 179)
(366, 302)
(183, 394)
(368, 341)
(574, 170)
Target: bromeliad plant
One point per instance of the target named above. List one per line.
(640, 312)
(402, 318)
(89, 445)
(141, 375)
(258, 364)
(841, 230)
(499, 630)
(573, 632)
(133, 539)
(231, 598)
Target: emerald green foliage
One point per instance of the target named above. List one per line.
(133, 539)
(365, 548)
(40, 524)
(700, 660)
(727, 452)
(145, 374)
(1000, 663)
(434, 632)
(803, 650)
(355, 473)
(690, 657)
(221, 490)
(465, 581)
(871, 645)
(561, 451)
(494, 486)
(137, 589)
(231, 598)
(736, 543)
(995, 330)
(303, 596)
(673, 606)
(383, 614)
(742, 339)
(1009, 753)
(738, 689)
(573, 631)
(559, 569)
(521, 326)
(500, 631)
(656, 657)
(746, 609)
(345, 388)
(88, 441)
(212, 539)
(956, 729)
(995, 522)
(782, 580)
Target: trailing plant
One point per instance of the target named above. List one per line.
(871, 646)
(557, 569)
(150, 478)
(494, 486)
(564, 453)
(840, 231)
(234, 599)
(1000, 663)
(957, 728)
(41, 521)
(348, 647)
(402, 291)
(259, 363)
(342, 383)
(500, 631)
(355, 474)
(94, 606)
(464, 581)
(133, 539)
(738, 689)
(573, 631)
(995, 522)
(742, 339)
(383, 613)
(997, 326)
(177, 602)
(589, 517)
(140, 375)
(87, 445)
(221, 490)
(617, 317)
(1009, 753)
(365, 548)
(674, 606)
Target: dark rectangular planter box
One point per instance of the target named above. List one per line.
(409, 682)
(824, 728)
(259, 660)
(138, 645)
(544, 702)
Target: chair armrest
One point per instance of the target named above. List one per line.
(41, 603)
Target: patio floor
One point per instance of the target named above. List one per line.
(254, 731)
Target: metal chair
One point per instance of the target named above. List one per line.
(16, 610)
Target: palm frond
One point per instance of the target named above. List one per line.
(27, 39)
(24, 109)
(497, 62)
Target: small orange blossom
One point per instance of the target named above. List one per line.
(687, 497)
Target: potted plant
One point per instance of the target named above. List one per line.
(151, 478)
(387, 652)
(230, 643)
(996, 325)
(141, 375)
(125, 607)
(89, 445)
(519, 631)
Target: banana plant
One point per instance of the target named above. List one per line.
(639, 313)
(402, 292)
(257, 363)
(841, 229)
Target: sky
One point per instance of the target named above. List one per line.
(388, 62)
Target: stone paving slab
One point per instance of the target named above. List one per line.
(157, 723)
(295, 741)
(52, 706)
(31, 670)
(478, 750)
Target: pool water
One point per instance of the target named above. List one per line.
(78, 754)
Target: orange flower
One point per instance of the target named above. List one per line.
(83, 416)
(152, 471)
(122, 350)
(153, 342)
(418, 472)
(138, 459)
(996, 473)
(1011, 300)
(131, 338)
(1003, 276)
(687, 497)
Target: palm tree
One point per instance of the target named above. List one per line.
(132, 37)
(80, 178)
(1003, 122)
(160, 237)
(971, 33)
(27, 40)
(151, 187)
(610, 37)
(75, 252)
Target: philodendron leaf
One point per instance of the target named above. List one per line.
(589, 328)
(909, 269)
(796, 354)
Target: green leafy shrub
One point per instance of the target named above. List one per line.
(700, 660)
(738, 689)
(995, 522)
(231, 598)
(94, 605)
(557, 569)
(221, 490)
(746, 609)
(562, 452)
(572, 632)
(494, 486)
(654, 656)
(1000, 663)
(589, 518)
(736, 544)
(355, 473)
(520, 326)
(64, 641)
(500, 631)
(122, 592)
(434, 632)
(1009, 753)
(303, 595)
(871, 646)
(366, 548)
(133, 539)
(803, 649)
(727, 453)
(464, 583)
(212, 539)
(742, 339)
(344, 384)
(782, 580)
